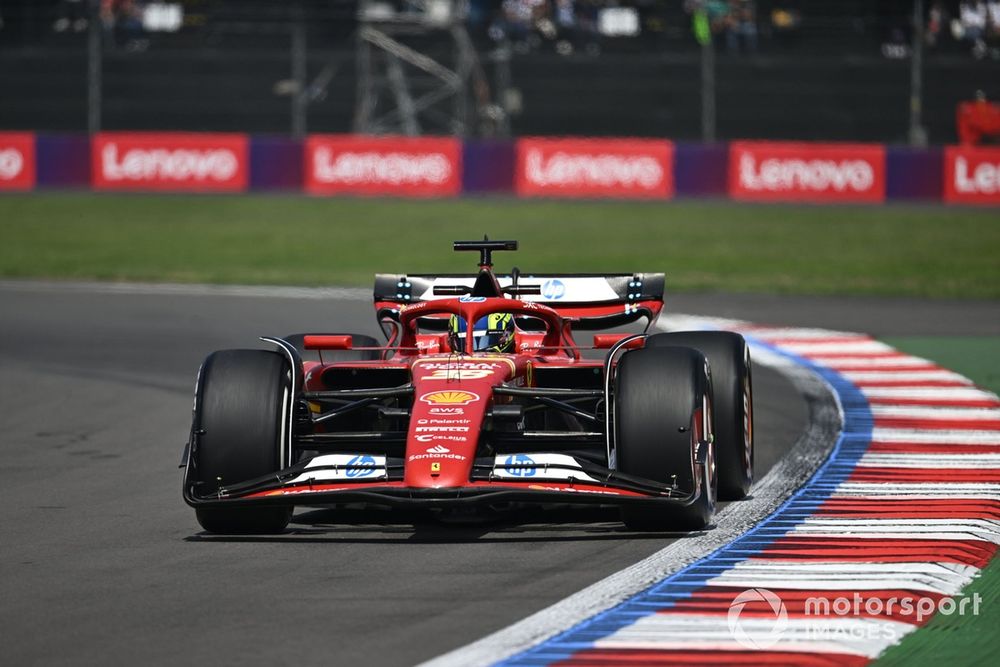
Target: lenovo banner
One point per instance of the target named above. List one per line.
(770, 171)
(972, 175)
(400, 166)
(640, 168)
(170, 161)
(17, 160)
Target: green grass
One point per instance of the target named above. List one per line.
(257, 239)
(969, 639)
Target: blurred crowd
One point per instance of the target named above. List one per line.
(572, 25)
(974, 23)
(126, 23)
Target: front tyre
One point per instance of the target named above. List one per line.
(662, 414)
(732, 393)
(242, 411)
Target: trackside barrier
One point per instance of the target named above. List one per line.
(972, 175)
(631, 168)
(17, 161)
(809, 172)
(397, 166)
(528, 167)
(170, 161)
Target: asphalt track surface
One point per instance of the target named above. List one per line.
(102, 563)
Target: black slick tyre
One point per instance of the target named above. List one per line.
(662, 407)
(241, 415)
(732, 393)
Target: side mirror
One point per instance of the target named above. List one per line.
(607, 341)
(320, 342)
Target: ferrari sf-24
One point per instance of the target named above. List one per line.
(480, 398)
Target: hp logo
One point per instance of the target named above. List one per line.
(520, 465)
(554, 289)
(364, 465)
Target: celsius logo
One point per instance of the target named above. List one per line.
(757, 618)
(361, 465)
(520, 465)
(554, 289)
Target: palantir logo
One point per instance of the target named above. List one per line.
(520, 465)
(554, 289)
(361, 465)
(757, 618)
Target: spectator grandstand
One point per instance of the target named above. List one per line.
(785, 69)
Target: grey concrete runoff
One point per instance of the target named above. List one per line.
(102, 563)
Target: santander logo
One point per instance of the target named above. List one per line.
(179, 164)
(11, 164)
(393, 168)
(818, 175)
(583, 169)
(984, 178)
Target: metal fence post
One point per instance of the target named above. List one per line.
(708, 91)
(918, 134)
(300, 94)
(94, 67)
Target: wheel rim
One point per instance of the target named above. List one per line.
(708, 436)
(747, 426)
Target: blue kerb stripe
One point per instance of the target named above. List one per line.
(848, 450)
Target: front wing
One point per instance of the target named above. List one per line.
(533, 478)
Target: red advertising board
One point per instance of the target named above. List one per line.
(772, 171)
(170, 161)
(972, 175)
(641, 168)
(401, 166)
(17, 160)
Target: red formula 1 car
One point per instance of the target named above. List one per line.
(481, 397)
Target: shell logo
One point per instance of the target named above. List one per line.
(449, 397)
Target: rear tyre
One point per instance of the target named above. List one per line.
(662, 408)
(732, 397)
(241, 415)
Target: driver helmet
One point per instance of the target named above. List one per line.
(493, 333)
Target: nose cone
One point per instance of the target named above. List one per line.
(452, 395)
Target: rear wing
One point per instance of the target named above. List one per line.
(589, 300)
